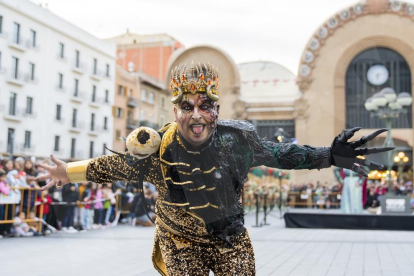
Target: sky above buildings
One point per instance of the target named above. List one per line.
(267, 30)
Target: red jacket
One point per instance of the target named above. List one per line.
(46, 205)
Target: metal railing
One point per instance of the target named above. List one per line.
(16, 202)
(324, 200)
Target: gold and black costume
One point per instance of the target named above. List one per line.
(199, 224)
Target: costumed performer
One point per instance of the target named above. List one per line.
(199, 165)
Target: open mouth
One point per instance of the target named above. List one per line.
(197, 128)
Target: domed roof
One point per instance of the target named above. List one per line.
(263, 81)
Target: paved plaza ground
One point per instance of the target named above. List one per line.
(125, 250)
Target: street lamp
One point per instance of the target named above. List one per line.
(386, 105)
(401, 160)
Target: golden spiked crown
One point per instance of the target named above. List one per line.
(197, 79)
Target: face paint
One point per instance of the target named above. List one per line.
(197, 118)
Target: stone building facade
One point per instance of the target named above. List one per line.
(344, 47)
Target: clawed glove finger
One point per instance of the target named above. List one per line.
(357, 168)
(347, 134)
(367, 151)
(370, 164)
(365, 139)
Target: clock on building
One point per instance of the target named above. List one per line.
(377, 74)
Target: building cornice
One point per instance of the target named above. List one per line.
(339, 20)
(106, 48)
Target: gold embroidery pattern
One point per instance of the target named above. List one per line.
(179, 183)
(181, 144)
(197, 217)
(198, 189)
(175, 204)
(197, 169)
(167, 139)
(203, 206)
(210, 189)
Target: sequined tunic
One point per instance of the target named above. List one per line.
(199, 189)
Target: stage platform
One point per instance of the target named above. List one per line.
(334, 219)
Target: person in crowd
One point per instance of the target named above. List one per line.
(99, 218)
(381, 189)
(29, 168)
(4, 190)
(41, 172)
(109, 204)
(20, 227)
(79, 218)
(18, 164)
(89, 197)
(30, 195)
(70, 196)
(33, 224)
(372, 203)
(139, 215)
(46, 202)
(7, 165)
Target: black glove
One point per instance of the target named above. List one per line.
(344, 153)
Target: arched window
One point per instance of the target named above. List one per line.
(393, 71)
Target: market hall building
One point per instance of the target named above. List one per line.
(331, 86)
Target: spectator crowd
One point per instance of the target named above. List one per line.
(77, 207)
(318, 195)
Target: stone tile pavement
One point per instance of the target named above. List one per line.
(125, 250)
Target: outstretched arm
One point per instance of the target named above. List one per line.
(142, 143)
(103, 169)
(341, 154)
(289, 156)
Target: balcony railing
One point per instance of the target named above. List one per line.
(133, 102)
(78, 97)
(31, 114)
(78, 67)
(17, 45)
(25, 148)
(28, 78)
(15, 77)
(60, 121)
(96, 75)
(76, 126)
(148, 124)
(77, 154)
(29, 45)
(58, 152)
(132, 124)
(11, 113)
(60, 88)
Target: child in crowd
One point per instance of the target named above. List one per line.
(7, 165)
(33, 225)
(89, 197)
(109, 204)
(45, 202)
(21, 228)
(99, 210)
(4, 190)
(29, 196)
(41, 172)
(29, 168)
(140, 217)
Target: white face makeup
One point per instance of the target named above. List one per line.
(196, 116)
